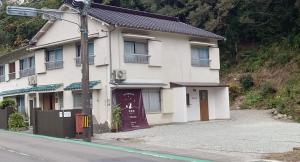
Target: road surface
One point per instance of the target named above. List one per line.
(16, 147)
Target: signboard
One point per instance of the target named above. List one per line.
(21, 11)
(133, 114)
(66, 114)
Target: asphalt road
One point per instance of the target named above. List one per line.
(16, 147)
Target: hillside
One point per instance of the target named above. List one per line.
(260, 57)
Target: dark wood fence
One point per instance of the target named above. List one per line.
(56, 123)
(4, 115)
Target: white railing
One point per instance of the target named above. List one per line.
(137, 58)
(27, 72)
(201, 62)
(91, 60)
(59, 64)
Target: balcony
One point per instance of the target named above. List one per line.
(27, 72)
(200, 62)
(91, 60)
(137, 58)
(12, 76)
(59, 64)
(2, 78)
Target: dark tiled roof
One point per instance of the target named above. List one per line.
(127, 18)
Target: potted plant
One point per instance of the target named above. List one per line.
(116, 119)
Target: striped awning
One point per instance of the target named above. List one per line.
(38, 88)
(78, 85)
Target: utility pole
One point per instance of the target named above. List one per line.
(86, 109)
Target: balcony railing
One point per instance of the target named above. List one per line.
(91, 60)
(2, 78)
(27, 72)
(137, 58)
(12, 76)
(200, 62)
(59, 64)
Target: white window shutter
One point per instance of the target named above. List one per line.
(40, 61)
(214, 56)
(155, 52)
(101, 49)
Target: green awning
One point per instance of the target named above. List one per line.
(77, 86)
(38, 88)
(50, 87)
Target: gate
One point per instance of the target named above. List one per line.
(56, 123)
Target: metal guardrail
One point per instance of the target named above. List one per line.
(137, 58)
(91, 60)
(201, 63)
(2, 78)
(27, 72)
(59, 64)
(12, 76)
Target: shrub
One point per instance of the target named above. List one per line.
(266, 89)
(8, 102)
(16, 121)
(252, 100)
(246, 81)
(116, 118)
(234, 90)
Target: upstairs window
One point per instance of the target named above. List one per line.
(54, 59)
(200, 56)
(27, 67)
(91, 54)
(136, 52)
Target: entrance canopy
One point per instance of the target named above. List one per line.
(78, 85)
(196, 84)
(38, 88)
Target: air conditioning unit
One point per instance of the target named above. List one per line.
(32, 80)
(119, 75)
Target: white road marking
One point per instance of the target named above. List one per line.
(14, 151)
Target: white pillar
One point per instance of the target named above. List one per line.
(180, 108)
(17, 66)
(38, 100)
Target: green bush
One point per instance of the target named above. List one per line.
(7, 102)
(246, 81)
(16, 121)
(266, 89)
(116, 118)
(252, 100)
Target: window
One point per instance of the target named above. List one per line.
(188, 99)
(77, 100)
(136, 52)
(151, 99)
(2, 74)
(54, 59)
(27, 67)
(91, 54)
(200, 56)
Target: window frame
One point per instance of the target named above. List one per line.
(91, 55)
(56, 63)
(80, 93)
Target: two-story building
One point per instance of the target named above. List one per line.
(175, 67)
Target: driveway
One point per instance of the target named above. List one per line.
(248, 133)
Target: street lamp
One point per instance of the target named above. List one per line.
(51, 14)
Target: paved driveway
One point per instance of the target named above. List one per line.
(249, 132)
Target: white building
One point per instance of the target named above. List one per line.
(174, 64)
